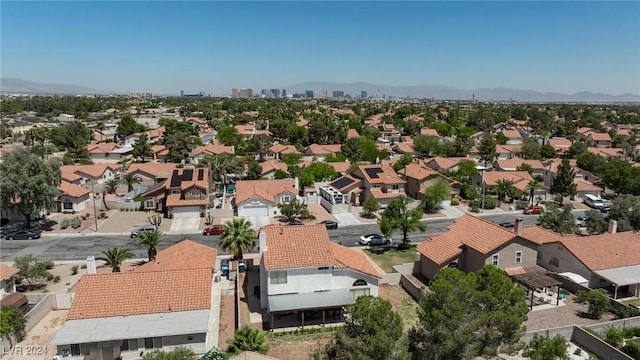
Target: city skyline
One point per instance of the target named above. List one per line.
(163, 47)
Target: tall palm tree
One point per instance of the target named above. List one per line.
(237, 237)
(502, 188)
(111, 185)
(533, 185)
(150, 239)
(247, 339)
(114, 257)
(130, 180)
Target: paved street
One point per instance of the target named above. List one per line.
(79, 247)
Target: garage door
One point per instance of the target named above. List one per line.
(254, 211)
(186, 212)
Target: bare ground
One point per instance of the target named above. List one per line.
(570, 314)
(36, 345)
(227, 318)
(297, 347)
(401, 302)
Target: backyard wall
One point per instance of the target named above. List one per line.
(45, 304)
(597, 346)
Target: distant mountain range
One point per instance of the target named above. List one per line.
(19, 86)
(451, 93)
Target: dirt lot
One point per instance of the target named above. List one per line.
(227, 318)
(36, 345)
(401, 302)
(300, 347)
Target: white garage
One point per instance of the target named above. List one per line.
(255, 210)
(183, 212)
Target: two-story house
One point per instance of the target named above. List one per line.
(260, 198)
(278, 150)
(96, 174)
(513, 136)
(320, 152)
(109, 152)
(184, 194)
(513, 164)
(151, 173)
(379, 181)
(418, 176)
(302, 270)
(602, 140)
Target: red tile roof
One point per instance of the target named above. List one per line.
(264, 189)
(429, 132)
(448, 162)
(6, 271)
(102, 148)
(418, 171)
(72, 190)
(605, 251)
(515, 162)
(539, 235)
(94, 170)
(273, 165)
(154, 169)
(596, 136)
(316, 149)
(186, 254)
(284, 149)
(386, 176)
(213, 150)
(137, 293)
(340, 167)
(352, 133)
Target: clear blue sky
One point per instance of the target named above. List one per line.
(162, 46)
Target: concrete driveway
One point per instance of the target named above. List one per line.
(185, 226)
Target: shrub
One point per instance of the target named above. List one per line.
(64, 224)
(50, 276)
(578, 352)
(490, 202)
(521, 204)
(84, 266)
(103, 214)
(632, 349)
(56, 279)
(74, 269)
(612, 336)
(454, 203)
(48, 264)
(76, 222)
(625, 311)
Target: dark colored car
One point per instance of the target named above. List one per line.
(329, 224)
(374, 240)
(507, 224)
(293, 223)
(213, 230)
(24, 234)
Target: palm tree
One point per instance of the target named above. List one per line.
(247, 339)
(237, 237)
(114, 257)
(111, 185)
(533, 185)
(150, 239)
(502, 188)
(130, 180)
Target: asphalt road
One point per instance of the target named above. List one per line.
(60, 248)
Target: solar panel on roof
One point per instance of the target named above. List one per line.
(374, 172)
(200, 174)
(341, 183)
(177, 178)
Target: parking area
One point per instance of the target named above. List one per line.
(125, 221)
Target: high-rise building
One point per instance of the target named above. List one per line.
(245, 93)
(284, 93)
(275, 93)
(181, 93)
(234, 93)
(338, 94)
(309, 94)
(363, 94)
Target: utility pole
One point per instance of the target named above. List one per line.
(93, 195)
(483, 186)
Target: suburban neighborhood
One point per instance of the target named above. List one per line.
(250, 224)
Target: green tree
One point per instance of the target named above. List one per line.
(525, 167)
(547, 151)
(111, 185)
(150, 239)
(128, 126)
(229, 136)
(261, 144)
(33, 272)
(531, 150)
(73, 137)
(372, 330)
(613, 336)
(254, 170)
(280, 174)
(501, 139)
(5, 131)
(617, 176)
(178, 353)
(237, 237)
(598, 302)
(533, 185)
(291, 159)
(466, 315)
(487, 149)
(130, 180)
(179, 143)
(142, 147)
(28, 184)
(320, 171)
(577, 148)
(216, 354)
(400, 217)
(402, 162)
(294, 209)
(352, 149)
(369, 207)
(558, 219)
(428, 145)
(547, 348)
(370, 151)
(247, 339)
(114, 257)
(595, 222)
(563, 183)
(625, 210)
(466, 171)
(434, 194)
(12, 321)
(591, 162)
(503, 188)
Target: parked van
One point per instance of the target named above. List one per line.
(593, 201)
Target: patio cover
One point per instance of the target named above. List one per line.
(307, 301)
(621, 276)
(535, 278)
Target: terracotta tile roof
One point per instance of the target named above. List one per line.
(419, 172)
(476, 135)
(586, 186)
(99, 137)
(605, 251)
(137, 293)
(102, 148)
(94, 171)
(585, 131)
(508, 149)
(273, 165)
(72, 190)
(560, 143)
(156, 133)
(491, 177)
(429, 132)
(69, 174)
(597, 136)
(186, 254)
(315, 149)
(352, 133)
(250, 355)
(515, 271)
(539, 235)
(175, 201)
(154, 169)
(213, 150)
(511, 133)
(6, 271)
(448, 162)
(264, 189)
(340, 167)
(284, 149)
(509, 164)
(302, 122)
(292, 247)
(606, 152)
(250, 129)
(385, 176)
(160, 150)
(405, 148)
(407, 139)
(379, 194)
(476, 233)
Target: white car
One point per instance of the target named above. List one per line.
(374, 240)
(581, 221)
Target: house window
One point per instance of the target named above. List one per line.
(195, 192)
(148, 343)
(148, 203)
(157, 343)
(376, 186)
(495, 259)
(68, 205)
(518, 257)
(323, 268)
(555, 261)
(278, 277)
(175, 192)
(286, 199)
(359, 292)
(395, 187)
(75, 349)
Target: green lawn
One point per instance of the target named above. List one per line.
(387, 258)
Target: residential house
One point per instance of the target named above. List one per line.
(513, 164)
(341, 167)
(581, 177)
(341, 193)
(269, 168)
(151, 173)
(8, 294)
(71, 197)
(584, 187)
(404, 148)
(161, 304)
(96, 174)
(99, 137)
(351, 133)
(429, 132)
(184, 194)
(202, 152)
(418, 177)
(446, 164)
(320, 152)
(260, 198)
(250, 130)
(379, 181)
(560, 145)
(470, 243)
(18, 127)
(278, 150)
(108, 152)
(607, 260)
(602, 140)
(161, 153)
(513, 136)
(584, 132)
(613, 153)
(302, 270)
(519, 179)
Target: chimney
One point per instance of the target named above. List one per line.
(518, 226)
(91, 265)
(613, 227)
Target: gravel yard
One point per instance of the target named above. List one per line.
(569, 314)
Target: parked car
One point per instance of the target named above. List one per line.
(374, 240)
(534, 210)
(293, 223)
(329, 224)
(507, 224)
(147, 228)
(213, 230)
(580, 221)
(24, 234)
